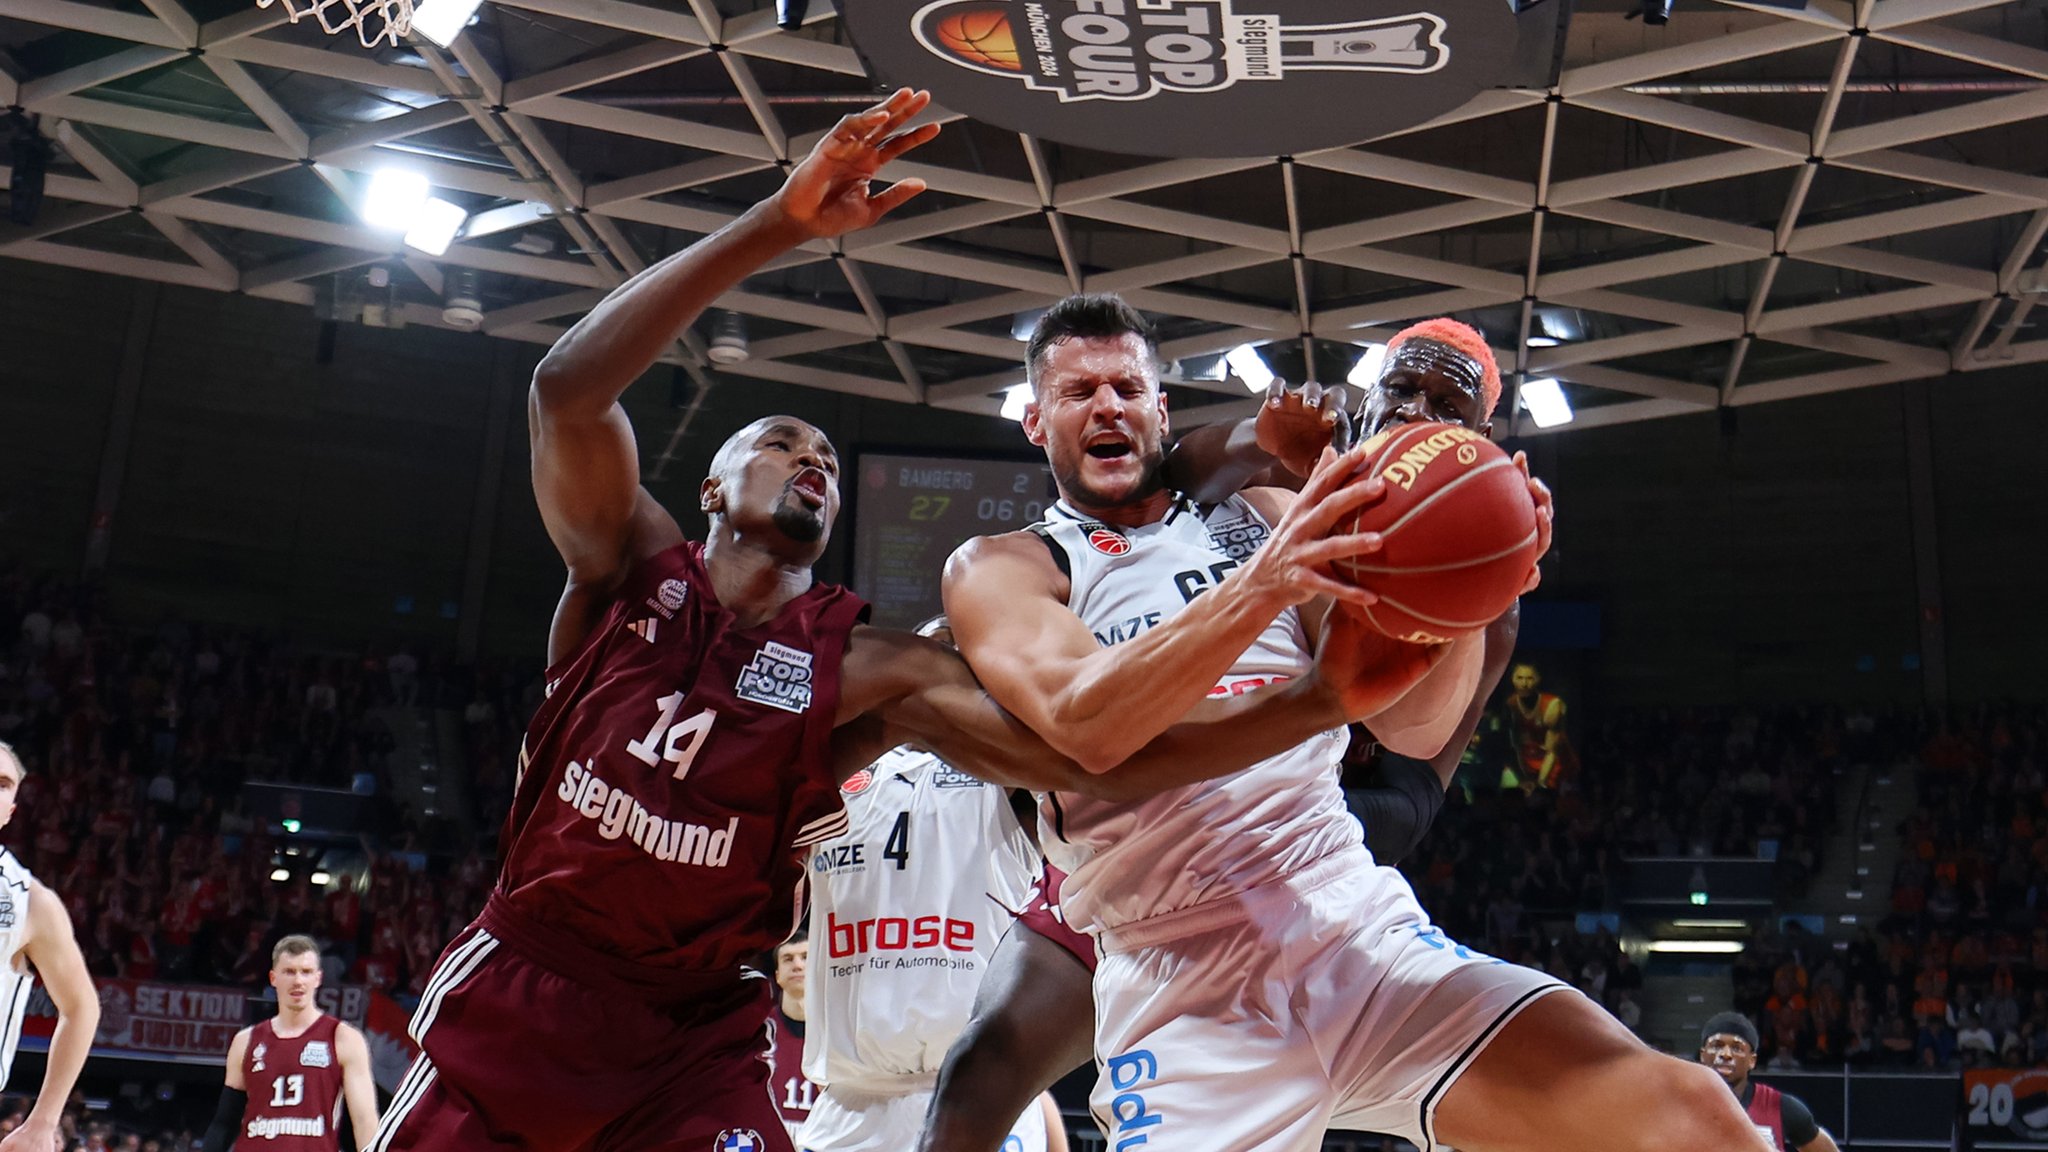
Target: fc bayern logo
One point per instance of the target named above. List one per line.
(738, 1140)
(858, 782)
(1109, 542)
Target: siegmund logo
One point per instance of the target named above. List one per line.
(1137, 49)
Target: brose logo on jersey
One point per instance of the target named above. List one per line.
(778, 676)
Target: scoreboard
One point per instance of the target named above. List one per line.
(911, 512)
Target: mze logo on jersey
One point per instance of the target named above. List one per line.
(778, 676)
(845, 938)
(840, 858)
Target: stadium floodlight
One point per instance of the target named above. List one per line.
(321, 878)
(434, 228)
(1697, 947)
(1015, 397)
(1250, 368)
(443, 20)
(395, 200)
(1365, 372)
(1546, 403)
(280, 875)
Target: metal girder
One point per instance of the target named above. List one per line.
(1153, 263)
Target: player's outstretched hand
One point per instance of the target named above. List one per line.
(1368, 670)
(1295, 424)
(829, 192)
(1545, 514)
(1293, 565)
(34, 1137)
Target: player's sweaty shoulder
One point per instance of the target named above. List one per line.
(1004, 567)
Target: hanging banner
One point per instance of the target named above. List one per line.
(1192, 77)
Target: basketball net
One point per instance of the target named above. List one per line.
(372, 20)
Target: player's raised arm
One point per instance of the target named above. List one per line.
(53, 949)
(1098, 705)
(1279, 446)
(586, 471)
(358, 1084)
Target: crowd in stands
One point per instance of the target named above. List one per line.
(1508, 866)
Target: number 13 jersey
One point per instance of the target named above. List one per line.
(671, 781)
(294, 1086)
(906, 909)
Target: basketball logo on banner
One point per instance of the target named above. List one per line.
(1192, 77)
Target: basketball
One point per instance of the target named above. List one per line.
(1459, 532)
(979, 37)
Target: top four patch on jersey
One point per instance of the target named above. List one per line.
(1107, 540)
(778, 676)
(6, 910)
(316, 1054)
(946, 776)
(1238, 539)
(669, 597)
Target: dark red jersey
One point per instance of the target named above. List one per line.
(668, 781)
(793, 1094)
(294, 1088)
(1766, 1114)
(1042, 914)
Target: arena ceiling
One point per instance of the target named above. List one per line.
(1748, 204)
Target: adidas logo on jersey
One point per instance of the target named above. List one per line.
(778, 676)
(644, 629)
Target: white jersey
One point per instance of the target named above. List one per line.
(16, 981)
(906, 908)
(1128, 861)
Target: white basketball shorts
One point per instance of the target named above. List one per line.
(845, 1120)
(1323, 1000)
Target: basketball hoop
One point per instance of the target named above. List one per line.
(372, 20)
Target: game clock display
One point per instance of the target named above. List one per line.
(911, 512)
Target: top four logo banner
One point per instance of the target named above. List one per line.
(1210, 78)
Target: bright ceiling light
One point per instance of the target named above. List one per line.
(1014, 399)
(1540, 341)
(280, 875)
(396, 197)
(1250, 368)
(435, 226)
(1696, 947)
(1366, 371)
(1710, 923)
(321, 878)
(443, 20)
(1546, 403)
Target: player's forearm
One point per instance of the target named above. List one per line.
(1420, 725)
(77, 1023)
(1212, 463)
(1123, 697)
(590, 367)
(1220, 737)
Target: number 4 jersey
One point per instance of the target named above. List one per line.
(294, 1086)
(906, 909)
(671, 782)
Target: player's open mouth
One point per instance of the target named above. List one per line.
(1110, 449)
(810, 486)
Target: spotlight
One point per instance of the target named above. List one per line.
(1697, 947)
(789, 14)
(443, 20)
(1656, 12)
(462, 307)
(435, 225)
(1014, 399)
(1250, 367)
(1366, 371)
(1023, 324)
(396, 199)
(280, 875)
(1546, 403)
(321, 878)
(728, 340)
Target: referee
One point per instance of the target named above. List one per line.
(1728, 1046)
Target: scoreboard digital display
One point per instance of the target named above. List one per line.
(911, 512)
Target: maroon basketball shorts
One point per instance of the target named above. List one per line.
(1042, 915)
(517, 1056)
